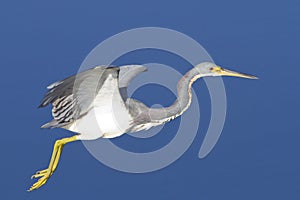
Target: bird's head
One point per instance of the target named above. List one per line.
(211, 69)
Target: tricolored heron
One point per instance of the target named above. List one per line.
(94, 104)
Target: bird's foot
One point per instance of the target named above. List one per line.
(44, 174)
(41, 173)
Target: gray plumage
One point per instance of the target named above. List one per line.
(94, 104)
(73, 97)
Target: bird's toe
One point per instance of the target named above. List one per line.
(40, 173)
(39, 182)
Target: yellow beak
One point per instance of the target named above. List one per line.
(225, 72)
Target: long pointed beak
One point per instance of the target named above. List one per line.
(226, 72)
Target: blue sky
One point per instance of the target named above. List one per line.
(257, 156)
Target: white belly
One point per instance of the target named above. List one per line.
(108, 117)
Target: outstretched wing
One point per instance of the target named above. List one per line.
(73, 97)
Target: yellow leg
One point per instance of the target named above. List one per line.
(46, 173)
(57, 157)
(55, 163)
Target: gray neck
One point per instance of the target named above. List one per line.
(183, 101)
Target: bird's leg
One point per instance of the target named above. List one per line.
(56, 154)
(45, 174)
(57, 158)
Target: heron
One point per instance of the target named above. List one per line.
(94, 104)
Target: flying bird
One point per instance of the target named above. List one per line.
(94, 104)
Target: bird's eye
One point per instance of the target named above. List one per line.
(211, 68)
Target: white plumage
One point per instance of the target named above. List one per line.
(108, 116)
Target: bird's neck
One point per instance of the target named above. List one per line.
(183, 101)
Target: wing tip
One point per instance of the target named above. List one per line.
(50, 124)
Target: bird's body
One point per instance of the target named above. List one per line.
(94, 104)
(111, 124)
(108, 114)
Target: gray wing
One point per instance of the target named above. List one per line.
(73, 97)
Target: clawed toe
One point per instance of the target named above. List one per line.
(44, 177)
(40, 173)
